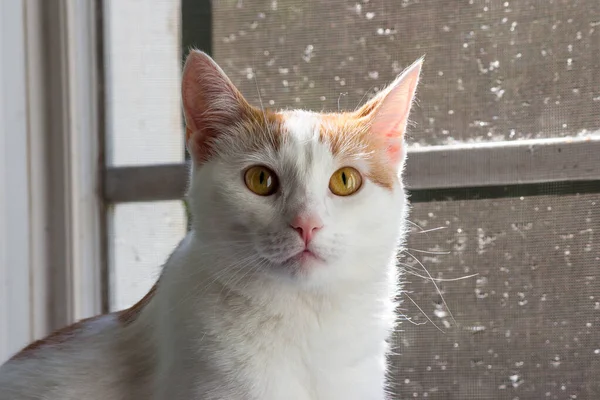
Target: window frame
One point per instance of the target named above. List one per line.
(15, 292)
(53, 256)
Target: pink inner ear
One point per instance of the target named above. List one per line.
(394, 151)
(210, 101)
(390, 117)
(395, 130)
(392, 141)
(390, 130)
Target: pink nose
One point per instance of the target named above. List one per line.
(307, 226)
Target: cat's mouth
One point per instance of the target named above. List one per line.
(307, 254)
(304, 257)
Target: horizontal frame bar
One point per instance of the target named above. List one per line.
(505, 163)
(505, 191)
(146, 183)
(479, 167)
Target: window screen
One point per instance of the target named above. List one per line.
(495, 70)
(527, 322)
(527, 325)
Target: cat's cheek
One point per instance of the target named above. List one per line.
(276, 246)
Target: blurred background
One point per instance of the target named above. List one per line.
(502, 265)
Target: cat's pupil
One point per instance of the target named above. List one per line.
(261, 177)
(344, 179)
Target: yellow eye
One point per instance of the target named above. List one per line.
(261, 180)
(345, 181)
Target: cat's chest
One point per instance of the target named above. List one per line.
(315, 357)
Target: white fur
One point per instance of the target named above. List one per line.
(231, 318)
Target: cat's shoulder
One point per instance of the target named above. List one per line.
(84, 332)
(66, 336)
(62, 365)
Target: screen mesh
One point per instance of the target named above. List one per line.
(141, 237)
(528, 322)
(494, 70)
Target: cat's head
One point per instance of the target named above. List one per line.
(311, 196)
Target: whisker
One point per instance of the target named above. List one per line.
(434, 284)
(339, 97)
(433, 229)
(238, 266)
(441, 279)
(362, 98)
(423, 312)
(409, 319)
(415, 224)
(251, 272)
(440, 253)
(425, 231)
(200, 288)
(262, 108)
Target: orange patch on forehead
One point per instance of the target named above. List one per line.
(263, 128)
(349, 136)
(255, 129)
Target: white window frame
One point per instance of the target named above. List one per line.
(52, 223)
(14, 217)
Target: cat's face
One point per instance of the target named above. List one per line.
(308, 196)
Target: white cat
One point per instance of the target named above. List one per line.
(286, 286)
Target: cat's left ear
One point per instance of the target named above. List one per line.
(388, 111)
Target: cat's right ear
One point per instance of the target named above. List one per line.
(210, 103)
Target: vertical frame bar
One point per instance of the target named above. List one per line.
(101, 120)
(196, 23)
(86, 214)
(15, 323)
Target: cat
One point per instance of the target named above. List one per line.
(286, 286)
